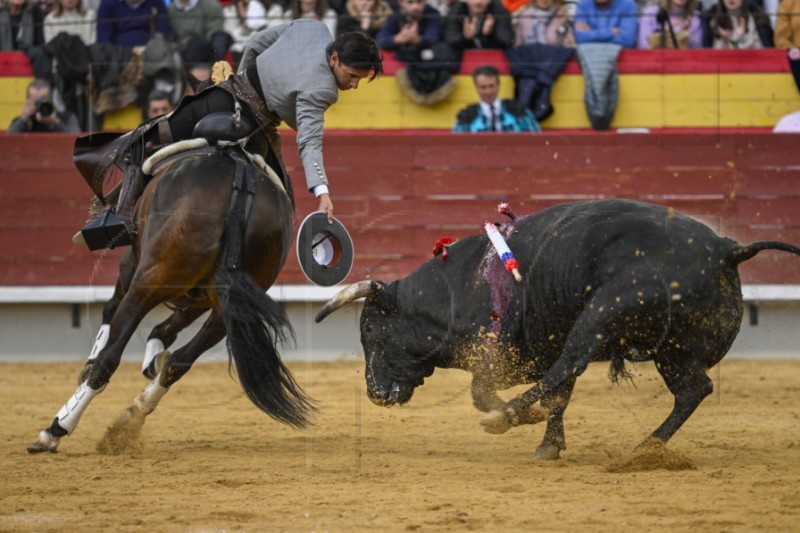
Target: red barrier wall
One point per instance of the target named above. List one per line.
(399, 192)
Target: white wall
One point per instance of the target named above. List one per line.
(46, 331)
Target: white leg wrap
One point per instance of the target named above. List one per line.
(100, 341)
(153, 348)
(147, 400)
(70, 414)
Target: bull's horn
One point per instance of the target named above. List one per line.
(346, 295)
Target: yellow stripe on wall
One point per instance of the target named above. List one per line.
(645, 100)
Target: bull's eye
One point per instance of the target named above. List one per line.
(368, 328)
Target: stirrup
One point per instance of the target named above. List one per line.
(107, 231)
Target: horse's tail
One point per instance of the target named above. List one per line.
(255, 324)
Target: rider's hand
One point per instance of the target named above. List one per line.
(326, 206)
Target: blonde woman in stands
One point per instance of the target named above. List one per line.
(366, 16)
(787, 25)
(70, 16)
(544, 22)
(737, 24)
(681, 15)
(244, 17)
(315, 10)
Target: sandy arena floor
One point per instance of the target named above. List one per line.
(210, 461)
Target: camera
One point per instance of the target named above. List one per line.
(44, 107)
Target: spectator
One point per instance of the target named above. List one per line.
(243, 17)
(788, 124)
(21, 24)
(679, 18)
(606, 21)
(492, 113)
(478, 24)
(71, 17)
(158, 104)
(197, 26)
(315, 10)
(737, 24)
(442, 6)
(787, 25)
(366, 16)
(128, 22)
(544, 22)
(416, 27)
(39, 114)
(414, 35)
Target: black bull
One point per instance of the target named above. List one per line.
(603, 280)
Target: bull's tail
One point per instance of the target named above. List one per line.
(255, 324)
(743, 253)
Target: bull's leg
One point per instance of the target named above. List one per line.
(128, 426)
(689, 383)
(484, 395)
(554, 440)
(586, 338)
(163, 336)
(133, 307)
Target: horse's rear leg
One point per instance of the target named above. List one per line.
(123, 434)
(133, 307)
(162, 337)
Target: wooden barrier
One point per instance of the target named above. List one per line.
(398, 193)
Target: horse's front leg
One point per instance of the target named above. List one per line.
(126, 272)
(132, 308)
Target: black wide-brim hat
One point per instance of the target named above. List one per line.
(324, 251)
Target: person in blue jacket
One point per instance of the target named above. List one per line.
(606, 21)
(493, 113)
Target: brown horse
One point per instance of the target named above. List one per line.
(202, 245)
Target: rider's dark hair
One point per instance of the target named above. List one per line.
(357, 50)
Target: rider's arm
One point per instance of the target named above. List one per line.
(259, 42)
(311, 106)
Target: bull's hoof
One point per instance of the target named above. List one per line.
(45, 443)
(547, 452)
(488, 403)
(496, 422)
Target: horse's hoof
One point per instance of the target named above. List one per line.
(83, 375)
(547, 452)
(45, 443)
(156, 365)
(496, 422)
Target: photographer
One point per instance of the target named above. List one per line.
(40, 115)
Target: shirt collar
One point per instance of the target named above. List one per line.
(485, 108)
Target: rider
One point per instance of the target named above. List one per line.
(290, 73)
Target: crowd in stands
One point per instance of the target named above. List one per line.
(428, 36)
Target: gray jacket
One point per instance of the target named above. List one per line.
(298, 84)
